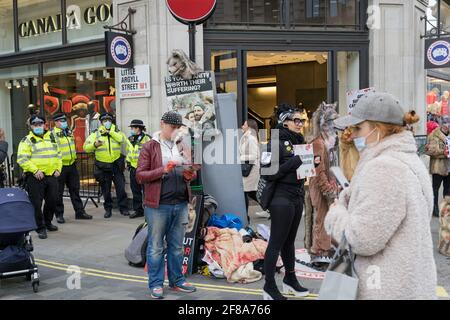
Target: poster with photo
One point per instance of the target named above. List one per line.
(195, 101)
(306, 153)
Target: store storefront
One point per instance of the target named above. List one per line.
(298, 52)
(55, 62)
(438, 93)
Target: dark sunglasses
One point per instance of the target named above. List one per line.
(298, 121)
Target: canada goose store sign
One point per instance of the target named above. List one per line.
(76, 18)
(119, 50)
(437, 53)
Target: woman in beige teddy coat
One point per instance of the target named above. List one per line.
(385, 213)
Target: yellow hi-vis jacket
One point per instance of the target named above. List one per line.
(39, 153)
(134, 148)
(113, 141)
(66, 143)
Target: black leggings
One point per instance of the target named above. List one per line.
(249, 194)
(285, 219)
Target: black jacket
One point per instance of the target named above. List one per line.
(3, 151)
(286, 176)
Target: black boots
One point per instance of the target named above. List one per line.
(50, 227)
(60, 219)
(125, 213)
(108, 214)
(291, 286)
(271, 292)
(136, 214)
(42, 233)
(83, 216)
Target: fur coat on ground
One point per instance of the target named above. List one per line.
(385, 215)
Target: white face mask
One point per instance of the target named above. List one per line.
(361, 143)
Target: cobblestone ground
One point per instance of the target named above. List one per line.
(97, 246)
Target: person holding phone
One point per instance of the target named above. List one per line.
(385, 214)
(162, 171)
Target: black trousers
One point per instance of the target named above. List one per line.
(39, 191)
(437, 181)
(285, 219)
(116, 176)
(69, 177)
(137, 190)
(249, 194)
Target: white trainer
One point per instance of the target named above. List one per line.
(262, 214)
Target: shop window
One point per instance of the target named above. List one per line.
(324, 12)
(82, 89)
(18, 89)
(86, 18)
(6, 27)
(348, 76)
(438, 98)
(224, 65)
(251, 12)
(40, 24)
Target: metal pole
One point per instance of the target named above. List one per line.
(192, 31)
(439, 20)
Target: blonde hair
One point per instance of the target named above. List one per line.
(387, 129)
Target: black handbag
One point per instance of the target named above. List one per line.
(265, 191)
(246, 168)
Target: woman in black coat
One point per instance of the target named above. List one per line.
(286, 205)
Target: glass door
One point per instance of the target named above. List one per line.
(299, 78)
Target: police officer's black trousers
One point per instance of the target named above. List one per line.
(69, 177)
(40, 190)
(116, 176)
(137, 190)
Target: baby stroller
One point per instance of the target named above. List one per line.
(16, 222)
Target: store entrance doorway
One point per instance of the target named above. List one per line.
(299, 78)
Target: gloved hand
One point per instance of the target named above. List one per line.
(188, 175)
(170, 166)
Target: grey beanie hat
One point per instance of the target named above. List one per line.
(374, 106)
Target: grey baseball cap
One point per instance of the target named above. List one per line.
(374, 106)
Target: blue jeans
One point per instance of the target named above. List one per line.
(169, 222)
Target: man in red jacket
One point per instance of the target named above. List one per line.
(163, 171)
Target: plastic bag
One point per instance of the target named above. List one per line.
(227, 220)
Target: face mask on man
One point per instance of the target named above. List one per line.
(108, 124)
(39, 131)
(64, 125)
(361, 143)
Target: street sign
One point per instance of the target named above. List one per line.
(191, 11)
(437, 53)
(119, 50)
(135, 82)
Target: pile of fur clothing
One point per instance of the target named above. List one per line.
(235, 256)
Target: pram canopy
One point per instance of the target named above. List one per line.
(16, 211)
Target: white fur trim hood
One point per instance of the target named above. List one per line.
(385, 214)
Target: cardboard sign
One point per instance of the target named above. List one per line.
(135, 82)
(194, 100)
(306, 153)
(354, 95)
(448, 147)
(190, 238)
